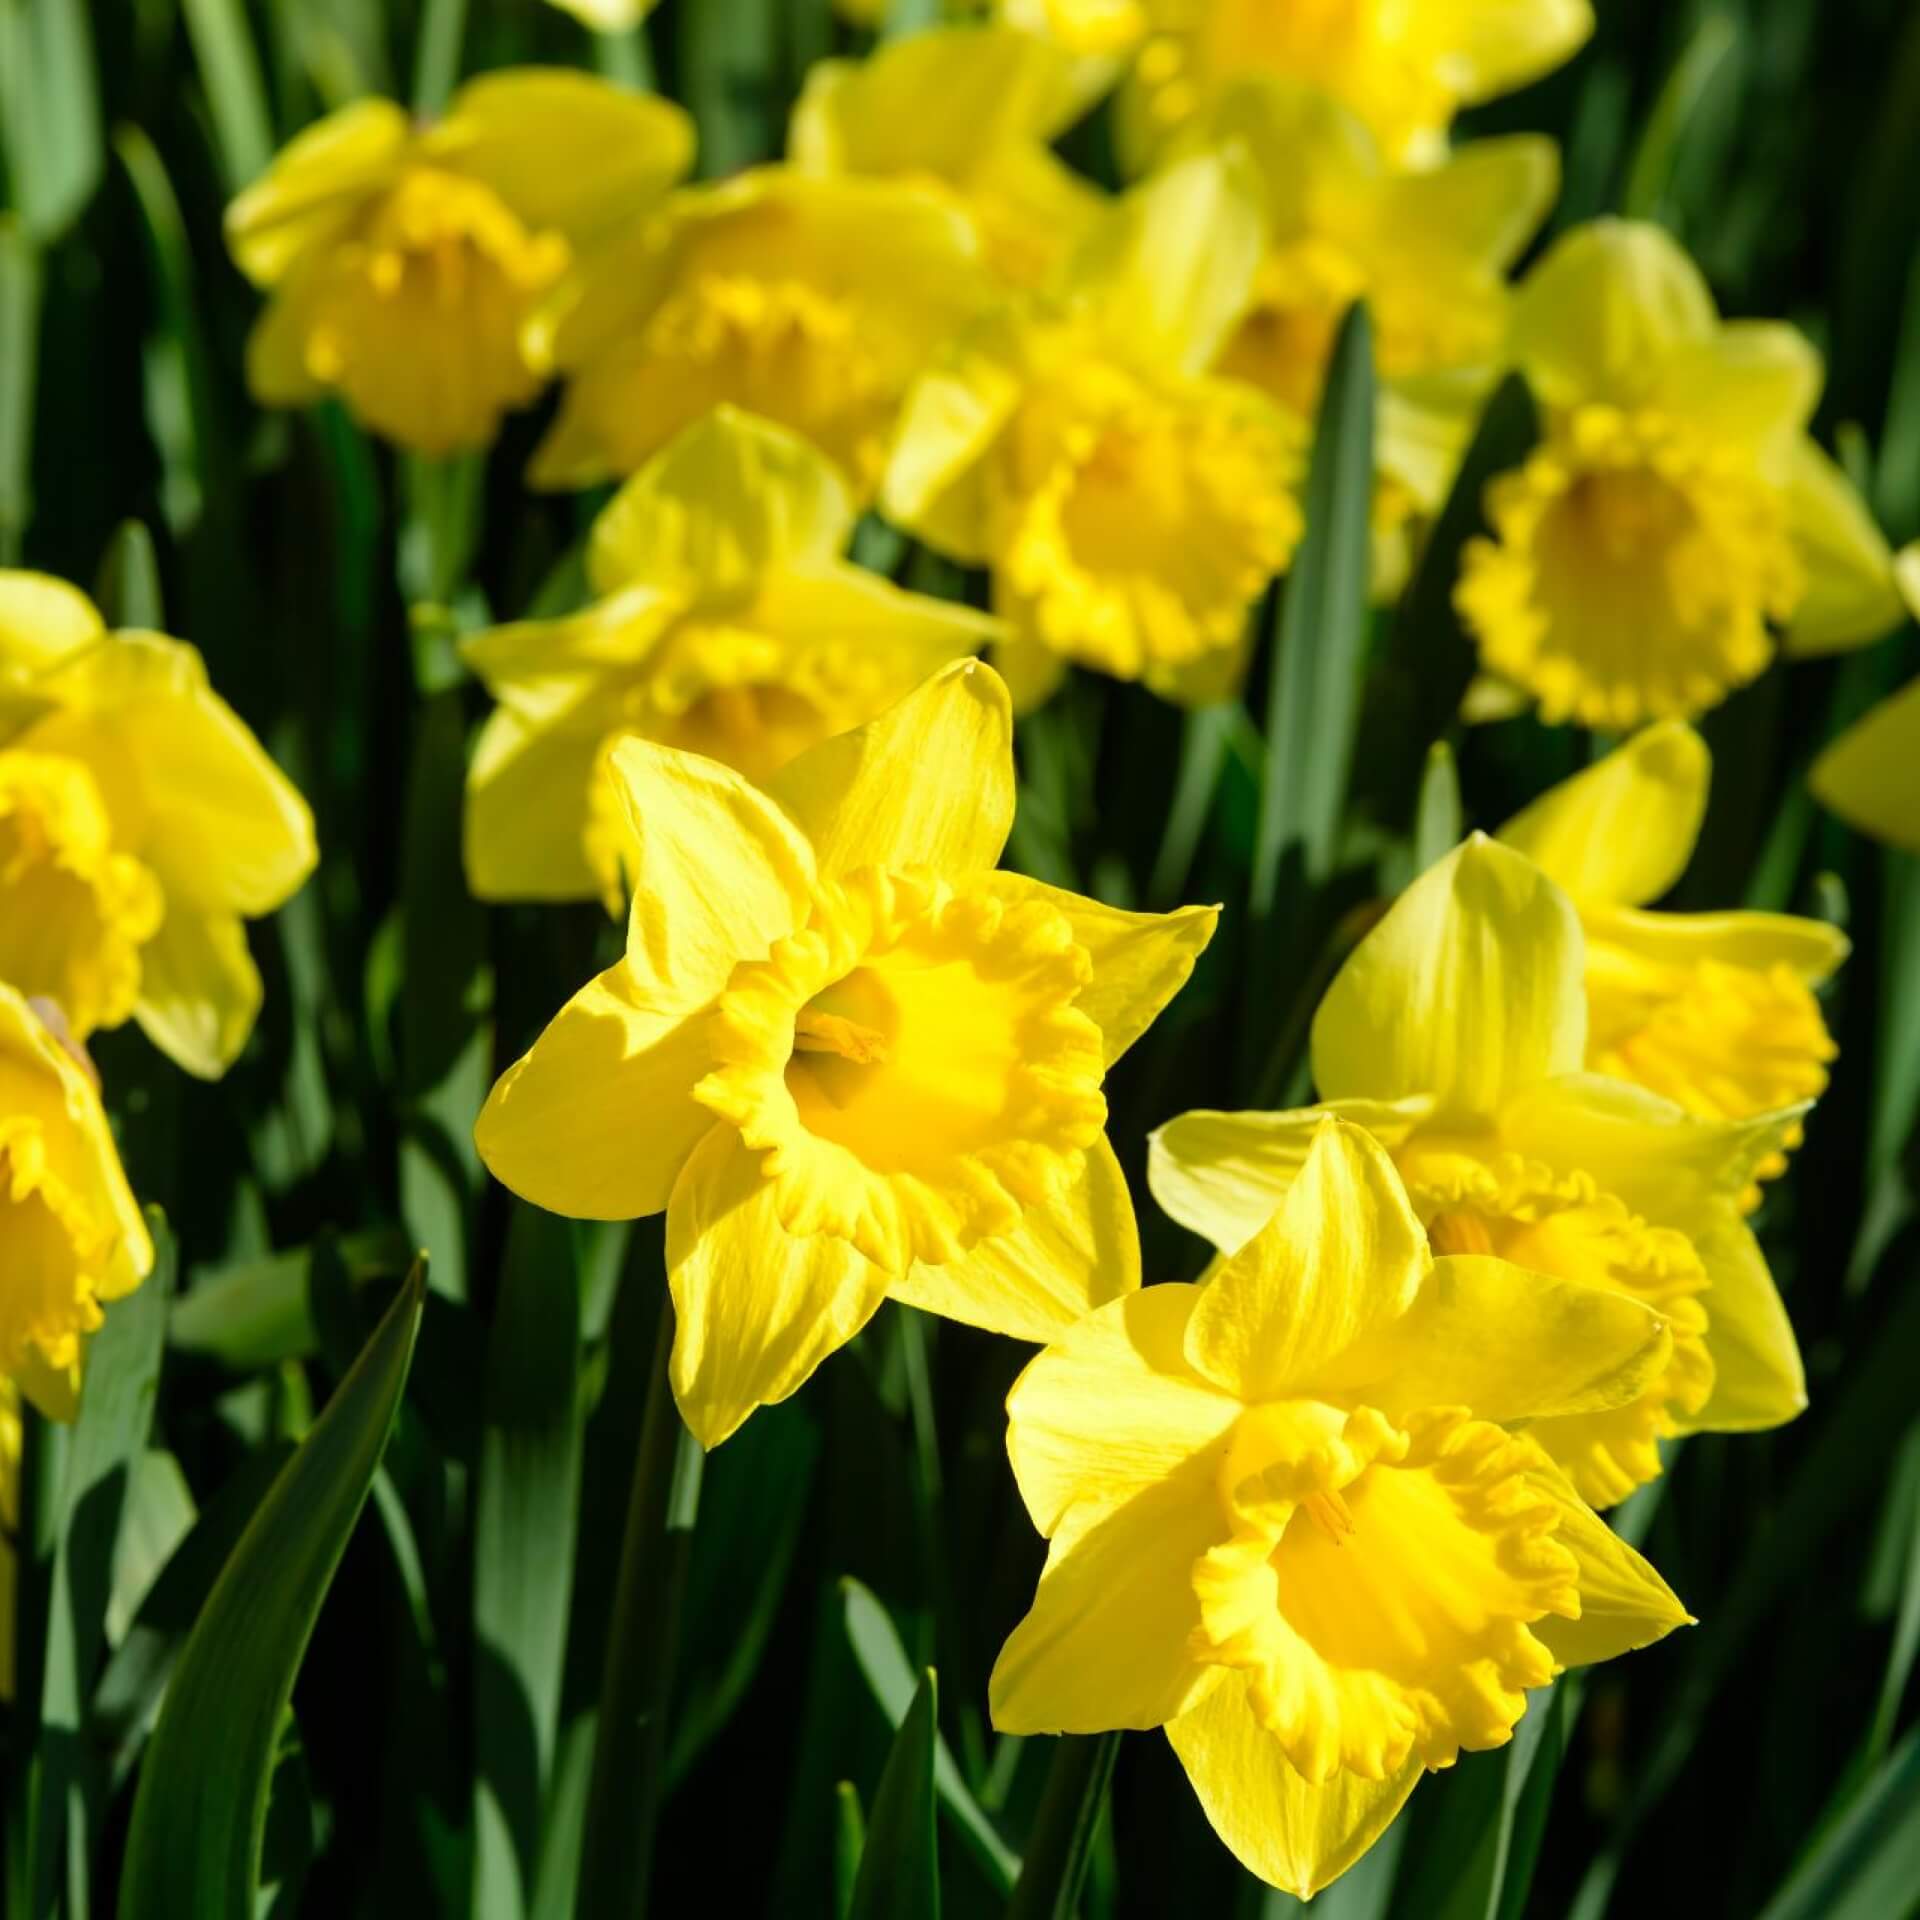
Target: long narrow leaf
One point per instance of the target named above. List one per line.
(899, 1876)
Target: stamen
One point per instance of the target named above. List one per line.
(1332, 1513)
(817, 1032)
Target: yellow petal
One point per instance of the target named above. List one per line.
(597, 1119)
(1624, 1603)
(928, 783)
(42, 620)
(1482, 206)
(758, 1308)
(1032, 670)
(726, 502)
(1471, 987)
(1811, 950)
(1601, 314)
(1621, 832)
(1852, 595)
(1870, 776)
(1562, 1348)
(316, 187)
(564, 149)
(1222, 1175)
(1758, 1380)
(1065, 1258)
(199, 989)
(1292, 1835)
(1752, 385)
(719, 872)
(908, 637)
(527, 800)
(1342, 1258)
(1497, 45)
(1140, 960)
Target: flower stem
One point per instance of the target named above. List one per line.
(643, 1638)
(1056, 1857)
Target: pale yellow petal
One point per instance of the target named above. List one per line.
(1290, 1834)
(598, 1117)
(1037, 1282)
(1620, 833)
(901, 638)
(1342, 1259)
(1498, 45)
(1470, 988)
(927, 783)
(1870, 776)
(527, 798)
(43, 620)
(1758, 1379)
(199, 989)
(1811, 950)
(1752, 385)
(758, 1308)
(1852, 594)
(1032, 670)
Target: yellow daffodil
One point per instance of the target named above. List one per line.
(1457, 1034)
(1131, 506)
(1676, 512)
(1713, 1010)
(1870, 776)
(9, 1524)
(139, 821)
(1428, 251)
(806, 298)
(70, 1233)
(401, 261)
(968, 112)
(1288, 1520)
(1406, 70)
(846, 1057)
(726, 623)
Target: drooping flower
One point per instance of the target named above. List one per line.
(968, 112)
(71, 1236)
(1870, 775)
(1131, 506)
(1289, 1519)
(1676, 515)
(808, 299)
(139, 821)
(401, 261)
(1405, 70)
(1457, 1034)
(847, 1057)
(1715, 1011)
(725, 623)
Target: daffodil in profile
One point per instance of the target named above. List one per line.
(1676, 523)
(846, 1056)
(969, 112)
(1290, 1518)
(810, 299)
(402, 260)
(725, 622)
(1131, 505)
(1716, 1011)
(140, 822)
(1456, 1033)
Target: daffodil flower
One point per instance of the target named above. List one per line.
(808, 299)
(968, 112)
(403, 260)
(1676, 512)
(139, 821)
(1870, 775)
(848, 1058)
(1131, 506)
(1457, 1034)
(1289, 1519)
(1713, 1010)
(725, 623)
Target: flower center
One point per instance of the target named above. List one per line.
(1283, 345)
(912, 1064)
(53, 1251)
(1632, 572)
(418, 319)
(1379, 1584)
(73, 912)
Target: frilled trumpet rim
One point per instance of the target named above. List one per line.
(54, 1252)
(912, 1065)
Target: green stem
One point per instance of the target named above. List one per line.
(437, 65)
(643, 1638)
(1055, 1862)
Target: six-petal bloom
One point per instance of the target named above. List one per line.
(1457, 1033)
(1289, 1522)
(845, 1055)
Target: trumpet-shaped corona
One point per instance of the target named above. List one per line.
(847, 1057)
(1298, 1515)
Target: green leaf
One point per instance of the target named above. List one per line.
(884, 1663)
(49, 112)
(1437, 826)
(526, 1514)
(437, 63)
(1693, 73)
(899, 1877)
(127, 591)
(20, 287)
(1868, 1866)
(200, 1811)
(849, 1842)
(1314, 700)
(236, 94)
(1060, 1848)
